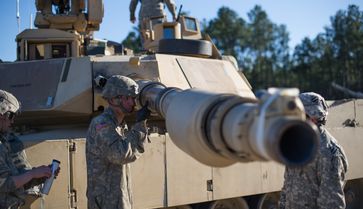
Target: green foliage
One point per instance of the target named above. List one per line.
(228, 31)
(267, 48)
(333, 56)
(133, 40)
(261, 48)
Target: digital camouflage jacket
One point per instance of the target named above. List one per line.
(319, 184)
(109, 150)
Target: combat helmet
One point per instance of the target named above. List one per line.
(315, 106)
(120, 85)
(8, 103)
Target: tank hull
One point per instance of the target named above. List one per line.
(165, 176)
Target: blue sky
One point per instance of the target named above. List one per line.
(303, 18)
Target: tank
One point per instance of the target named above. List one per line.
(213, 143)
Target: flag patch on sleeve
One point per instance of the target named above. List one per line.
(101, 126)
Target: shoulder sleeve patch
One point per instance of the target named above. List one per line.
(101, 126)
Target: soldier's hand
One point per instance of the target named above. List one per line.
(41, 171)
(143, 113)
(133, 19)
(56, 173)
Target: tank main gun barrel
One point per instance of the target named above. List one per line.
(222, 129)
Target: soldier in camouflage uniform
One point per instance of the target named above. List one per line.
(110, 147)
(151, 8)
(16, 175)
(320, 183)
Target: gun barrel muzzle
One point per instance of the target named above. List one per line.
(222, 129)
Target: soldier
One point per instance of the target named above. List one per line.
(151, 8)
(320, 183)
(110, 147)
(16, 175)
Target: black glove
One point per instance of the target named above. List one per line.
(100, 81)
(143, 113)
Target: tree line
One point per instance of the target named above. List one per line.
(263, 54)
